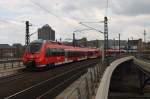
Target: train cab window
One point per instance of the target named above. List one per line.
(34, 47)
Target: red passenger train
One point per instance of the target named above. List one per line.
(44, 53)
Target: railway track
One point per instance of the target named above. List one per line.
(45, 84)
(15, 76)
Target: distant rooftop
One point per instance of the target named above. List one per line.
(6, 46)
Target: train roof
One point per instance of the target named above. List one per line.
(38, 41)
(53, 44)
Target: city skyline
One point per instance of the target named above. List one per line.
(64, 17)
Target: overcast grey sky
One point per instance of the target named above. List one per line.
(128, 17)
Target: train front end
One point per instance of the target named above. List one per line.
(33, 56)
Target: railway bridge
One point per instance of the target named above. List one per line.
(123, 78)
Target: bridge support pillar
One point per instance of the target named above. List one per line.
(143, 80)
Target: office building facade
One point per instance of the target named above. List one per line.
(46, 33)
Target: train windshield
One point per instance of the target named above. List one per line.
(34, 48)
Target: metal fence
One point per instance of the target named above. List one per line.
(10, 63)
(11, 57)
(88, 84)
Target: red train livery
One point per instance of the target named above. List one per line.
(44, 53)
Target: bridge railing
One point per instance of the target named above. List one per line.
(86, 87)
(114, 57)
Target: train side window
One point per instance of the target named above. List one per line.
(66, 53)
(73, 54)
(69, 54)
(62, 52)
(46, 54)
(54, 52)
(59, 52)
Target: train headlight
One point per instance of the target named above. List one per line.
(39, 60)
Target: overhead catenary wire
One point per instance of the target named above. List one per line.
(107, 1)
(80, 30)
(86, 29)
(40, 6)
(53, 14)
(106, 10)
(91, 27)
(62, 19)
(49, 12)
(94, 22)
(12, 21)
(96, 34)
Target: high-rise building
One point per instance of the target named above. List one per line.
(46, 33)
